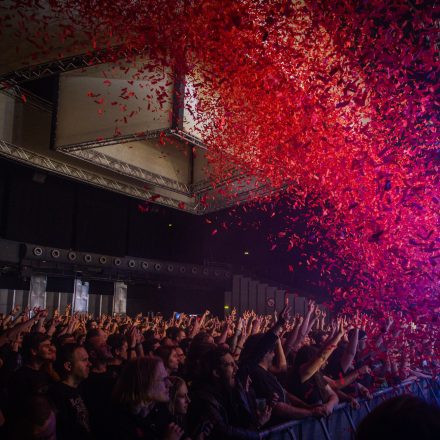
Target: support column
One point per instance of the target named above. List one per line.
(80, 301)
(37, 292)
(120, 298)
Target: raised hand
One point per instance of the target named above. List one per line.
(265, 415)
(173, 432)
(318, 411)
(285, 312)
(311, 306)
(354, 403)
(240, 324)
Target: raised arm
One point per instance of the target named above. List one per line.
(292, 339)
(308, 369)
(305, 324)
(280, 358)
(350, 351)
(342, 382)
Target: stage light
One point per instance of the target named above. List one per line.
(170, 225)
(226, 307)
(246, 252)
(38, 252)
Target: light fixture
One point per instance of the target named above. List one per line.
(55, 253)
(170, 225)
(246, 252)
(38, 252)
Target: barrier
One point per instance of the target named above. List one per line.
(342, 423)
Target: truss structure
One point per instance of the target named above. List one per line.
(149, 134)
(10, 84)
(62, 65)
(189, 138)
(33, 100)
(121, 167)
(19, 154)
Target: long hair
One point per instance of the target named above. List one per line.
(134, 384)
(164, 353)
(176, 383)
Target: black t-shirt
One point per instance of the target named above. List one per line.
(71, 412)
(114, 371)
(312, 391)
(27, 382)
(265, 384)
(128, 425)
(97, 391)
(334, 368)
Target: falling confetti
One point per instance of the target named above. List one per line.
(336, 104)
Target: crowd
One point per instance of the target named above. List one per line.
(72, 376)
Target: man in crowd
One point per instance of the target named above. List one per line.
(73, 367)
(97, 388)
(220, 399)
(32, 378)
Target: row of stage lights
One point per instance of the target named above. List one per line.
(130, 263)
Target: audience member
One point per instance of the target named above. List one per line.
(404, 418)
(73, 419)
(140, 396)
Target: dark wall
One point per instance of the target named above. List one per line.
(66, 214)
(169, 299)
(101, 221)
(37, 212)
(164, 234)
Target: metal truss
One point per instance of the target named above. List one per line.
(19, 154)
(240, 198)
(62, 65)
(149, 134)
(129, 170)
(193, 140)
(86, 151)
(31, 99)
(206, 184)
(9, 84)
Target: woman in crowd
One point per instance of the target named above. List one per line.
(169, 358)
(140, 397)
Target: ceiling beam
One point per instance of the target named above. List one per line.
(61, 65)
